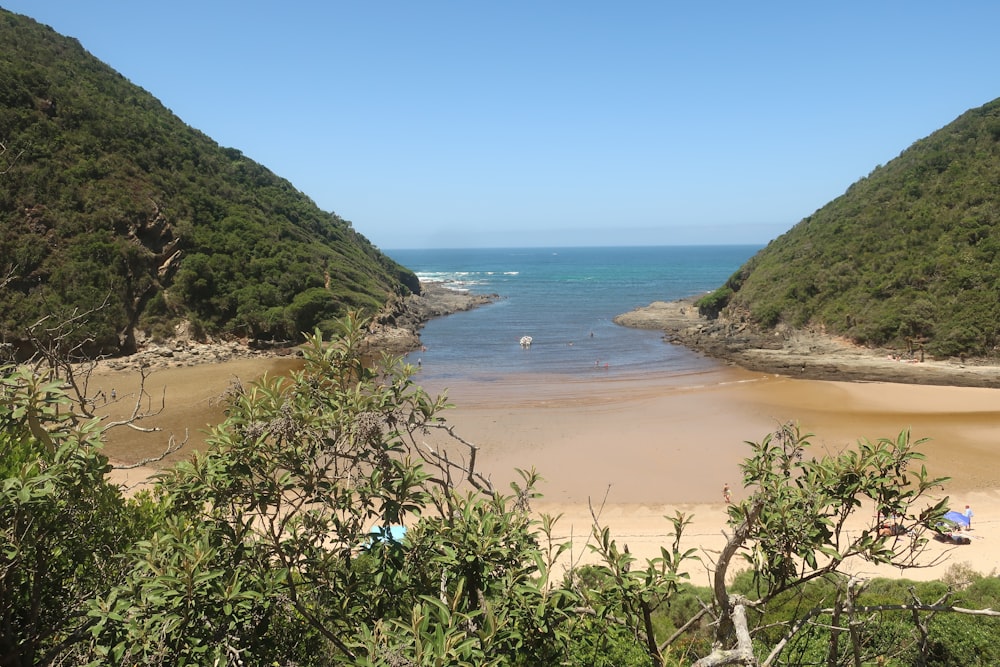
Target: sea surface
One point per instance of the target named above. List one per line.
(566, 300)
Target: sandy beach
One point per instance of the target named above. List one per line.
(641, 449)
(636, 450)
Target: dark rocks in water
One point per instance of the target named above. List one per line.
(397, 329)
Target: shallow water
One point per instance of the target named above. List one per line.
(566, 300)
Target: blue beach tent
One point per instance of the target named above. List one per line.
(957, 517)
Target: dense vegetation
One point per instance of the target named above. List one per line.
(908, 256)
(105, 194)
(259, 551)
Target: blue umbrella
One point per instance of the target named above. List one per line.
(957, 517)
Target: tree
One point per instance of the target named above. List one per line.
(63, 528)
(792, 530)
(260, 550)
(273, 520)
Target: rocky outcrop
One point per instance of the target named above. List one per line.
(181, 353)
(803, 353)
(397, 329)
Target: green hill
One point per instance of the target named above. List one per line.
(909, 255)
(106, 195)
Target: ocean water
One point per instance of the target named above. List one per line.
(565, 299)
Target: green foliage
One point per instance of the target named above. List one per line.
(112, 196)
(888, 635)
(799, 504)
(712, 304)
(62, 526)
(604, 644)
(963, 641)
(269, 530)
(792, 532)
(270, 525)
(259, 551)
(908, 254)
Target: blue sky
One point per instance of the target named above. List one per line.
(475, 124)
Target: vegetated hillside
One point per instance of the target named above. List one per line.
(105, 193)
(909, 256)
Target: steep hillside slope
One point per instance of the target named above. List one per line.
(908, 257)
(106, 195)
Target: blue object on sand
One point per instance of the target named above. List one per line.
(957, 517)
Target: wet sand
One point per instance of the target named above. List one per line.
(192, 400)
(639, 448)
(668, 440)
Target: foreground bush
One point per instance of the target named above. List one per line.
(259, 551)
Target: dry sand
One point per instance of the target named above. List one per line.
(638, 449)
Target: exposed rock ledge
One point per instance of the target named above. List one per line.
(396, 330)
(798, 353)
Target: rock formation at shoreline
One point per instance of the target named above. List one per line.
(396, 331)
(801, 353)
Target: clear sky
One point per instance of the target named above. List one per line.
(468, 124)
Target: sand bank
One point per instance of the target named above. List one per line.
(639, 448)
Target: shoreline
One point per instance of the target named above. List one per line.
(641, 447)
(396, 330)
(802, 354)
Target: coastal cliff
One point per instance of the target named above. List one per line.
(803, 353)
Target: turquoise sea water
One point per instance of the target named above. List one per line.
(565, 299)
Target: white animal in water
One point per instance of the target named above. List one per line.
(525, 341)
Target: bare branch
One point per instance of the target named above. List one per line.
(6, 278)
(742, 654)
(11, 161)
(684, 628)
(441, 460)
(733, 545)
(140, 411)
(172, 447)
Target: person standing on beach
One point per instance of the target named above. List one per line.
(725, 493)
(968, 515)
